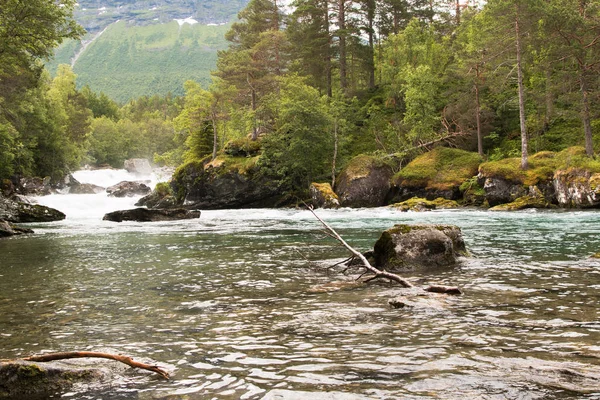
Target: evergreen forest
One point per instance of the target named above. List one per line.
(301, 89)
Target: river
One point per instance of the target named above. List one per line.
(237, 305)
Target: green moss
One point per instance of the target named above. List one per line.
(163, 189)
(597, 255)
(227, 164)
(420, 204)
(360, 166)
(325, 190)
(523, 203)
(595, 182)
(243, 147)
(542, 166)
(441, 169)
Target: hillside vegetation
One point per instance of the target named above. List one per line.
(129, 61)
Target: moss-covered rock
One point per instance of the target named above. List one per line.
(225, 182)
(323, 196)
(27, 380)
(244, 147)
(365, 182)
(20, 212)
(473, 193)
(577, 188)
(161, 197)
(407, 247)
(438, 173)
(524, 202)
(420, 204)
(597, 255)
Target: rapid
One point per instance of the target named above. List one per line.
(239, 305)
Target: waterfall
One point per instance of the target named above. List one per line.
(87, 207)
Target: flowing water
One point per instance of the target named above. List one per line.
(237, 305)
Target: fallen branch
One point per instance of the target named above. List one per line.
(92, 354)
(377, 272)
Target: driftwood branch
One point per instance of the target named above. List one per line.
(377, 272)
(92, 354)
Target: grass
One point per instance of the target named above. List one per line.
(442, 169)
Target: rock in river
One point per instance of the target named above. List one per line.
(27, 380)
(16, 211)
(128, 189)
(150, 215)
(8, 229)
(406, 247)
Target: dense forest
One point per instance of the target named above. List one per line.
(309, 86)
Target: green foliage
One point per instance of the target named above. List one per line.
(442, 168)
(300, 149)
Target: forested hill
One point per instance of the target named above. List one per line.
(95, 15)
(135, 48)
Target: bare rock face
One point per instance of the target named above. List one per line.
(85, 188)
(151, 215)
(407, 247)
(501, 191)
(577, 188)
(139, 166)
(364, 183)
(322, 196)
(128, 189)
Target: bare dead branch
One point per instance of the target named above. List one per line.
(378, 273)
(92, 354)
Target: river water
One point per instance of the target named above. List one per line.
(239, 305)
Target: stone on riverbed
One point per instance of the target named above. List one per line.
(8, 229)
(151, 215)
(408, 247)
(28, 380)
(128, 189)
(20, 212)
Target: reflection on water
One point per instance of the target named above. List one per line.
(229, 306)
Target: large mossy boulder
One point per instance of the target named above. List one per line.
(577, 188)
(408, 247)
(365, 182)
(27, 380)
(322, 196)
(160, 197)
(438, 173)
(563, 178)
(20, 212)
(151, 215)
(226, 182)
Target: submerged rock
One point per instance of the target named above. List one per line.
(406, 247)
(322, 196)
(151, 215)
(128, 189)
(364, 183)
(8, 229)
(28, 380)
(420, 204)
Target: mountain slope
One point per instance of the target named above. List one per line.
(138, 55)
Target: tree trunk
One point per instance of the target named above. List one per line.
(524, 139)
(478, 116)
(335, 151)
(585, 115)
(342, 44)
(215, 135)
(328, 53)
(371, 55)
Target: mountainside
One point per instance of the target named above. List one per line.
(136, 48)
